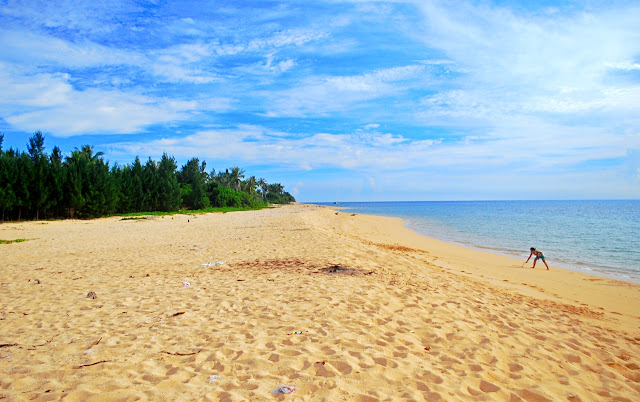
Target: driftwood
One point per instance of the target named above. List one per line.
(33, 347)
(92, 364)
(181, 354)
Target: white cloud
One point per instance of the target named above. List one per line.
(280, 66)
(183, 53)
(322, 95)
(186, 62)
(295, 37)
(39, 90)
(30, 50)
(270, 68)
(522, 64)
(503, 46)
(49, 102)
(259, 145)
(177, 73)
(101, 112)
(268, 44)
(625, 66)
(538, 150)
(85, 16)
(471, 106)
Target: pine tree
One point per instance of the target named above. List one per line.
(23, 178)
(38, 190)
(193, 183)
(55, 183)
(169, 189)
(150, 186)
(8, 176)
(136, 190)
(75, 172)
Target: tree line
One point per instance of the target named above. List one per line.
(35, 185)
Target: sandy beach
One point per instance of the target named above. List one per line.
(339, 306)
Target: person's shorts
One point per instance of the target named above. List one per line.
(539, 257)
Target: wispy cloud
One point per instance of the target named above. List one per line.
(362, 149)
(369, 162)
(532, 62)
(50, 101)
(81, 16)
(368, 149)
(322, 95)
(34, 50)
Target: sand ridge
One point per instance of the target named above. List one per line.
(408, 319)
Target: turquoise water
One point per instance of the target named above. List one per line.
(597, 237)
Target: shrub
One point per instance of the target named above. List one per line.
(228, 198)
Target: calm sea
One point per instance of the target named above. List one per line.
(597, 237)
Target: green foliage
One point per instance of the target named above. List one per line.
(193, 178)
(169, 195)
(12, 241)
(150, 186)
(8, 176)
(34, 185)
(55, 184)
(228, 198)
(39, 192)
(276, 194)
(22, 182)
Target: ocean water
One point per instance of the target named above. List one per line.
(596, 237)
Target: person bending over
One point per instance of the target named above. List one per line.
(539, 256)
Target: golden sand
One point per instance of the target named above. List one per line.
(341, 307)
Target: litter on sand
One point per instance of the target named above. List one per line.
(284, 389)
(213, 264)
(186, 284)
(213, 378)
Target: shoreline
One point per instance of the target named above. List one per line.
(586, 267)
(566, 266)
(505, 271)
(232, 306)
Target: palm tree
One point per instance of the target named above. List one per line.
(236, 177)
(223, 178)
(262, 183)
(87, 151)
(275, 188)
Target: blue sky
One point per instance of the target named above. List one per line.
(340, 100)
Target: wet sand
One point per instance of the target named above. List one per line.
(341, 307)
